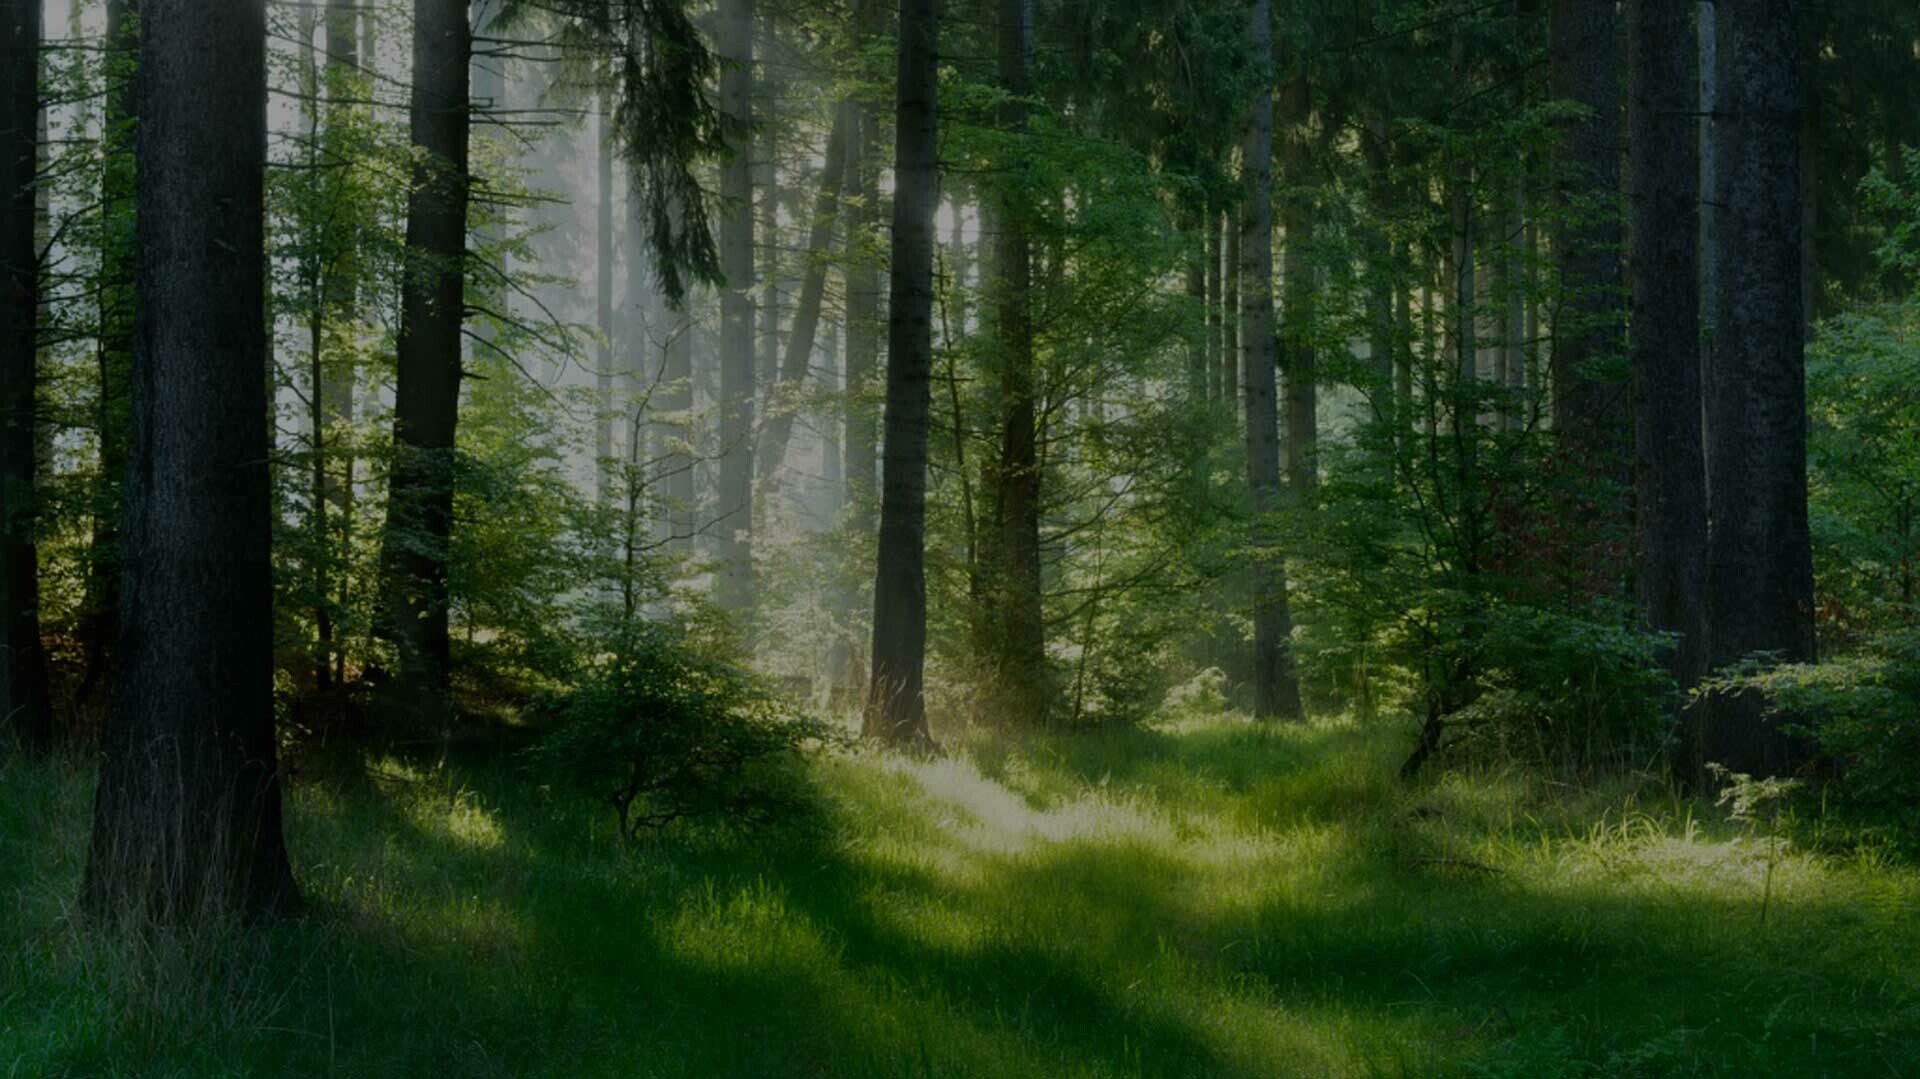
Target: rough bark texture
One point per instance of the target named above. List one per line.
(1012, 583)
(806, 315)
(1590, 391)
(1670, 467)
(1759, 558)
(23, 674)
(1276, 688)
(187, 814)
(896, 702)
(427, 392)
(733, 589)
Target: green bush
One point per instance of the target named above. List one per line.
(665, 729)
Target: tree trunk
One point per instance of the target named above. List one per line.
(896, 702)
(733, 589)
(24, 707)
(782, 401)
(862, 430)
(187, 813)
(1670, 466)
(427, 391)
(1590, 393)
(1759, 555)
(1018, 651)
(1276, 687)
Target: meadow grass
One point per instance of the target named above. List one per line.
(1203, 897)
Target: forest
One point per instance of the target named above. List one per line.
(959, 538)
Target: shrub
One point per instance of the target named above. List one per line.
(667, 729)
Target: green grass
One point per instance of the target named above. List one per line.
(1206, 898)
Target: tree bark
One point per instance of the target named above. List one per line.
(1759, 555)
(187, 813)
(24, 707)
(733, 589)
(1670, 464)
(427, 391)
(1019, 647)
(896, 702)
(1276, 687)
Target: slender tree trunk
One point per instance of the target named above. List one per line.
(1019, 647)
(806, 317)
(860, 444)
(187, 813)
(1215, 287)
(733, 590)
(766, 92)
(1231, 379)
(1759, 555)
(674, 429)
(1276, 687)
(1670, 471)
(896, 702)
(24, 708)
(427, 392)
(603, 310)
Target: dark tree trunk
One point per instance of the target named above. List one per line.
(733, 589)
(1276, 687)
(1670, 468)
(896, 702)
(1018, 641)
(427, 392)
(1759, 555)
(806, 316)
(100, 607)
(187, 814)
(1591, 393)
(24, 709)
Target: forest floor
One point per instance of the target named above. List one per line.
(1203, 898)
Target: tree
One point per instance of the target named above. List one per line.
(187, 814)
(1759, 551)
(427, 391)
(896, 703)
(1670, 465)
(1276, 686)
(733, 590)
(1017, 637)
(23, 675)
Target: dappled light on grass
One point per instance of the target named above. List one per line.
(1203, 898)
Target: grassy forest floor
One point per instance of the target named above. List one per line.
(1205, 898)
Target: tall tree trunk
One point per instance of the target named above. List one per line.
(766, 201)
(733, 590)
(24, 708)
(1276, 687)
(1670, 466)
(1590, 395)
(1019, 647)
(187, 813)
(1759, 555)
(782, 402)
(860, 444)
(896, 701)
(100, 607)
(427, 392)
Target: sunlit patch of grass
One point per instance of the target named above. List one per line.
(1207, 897)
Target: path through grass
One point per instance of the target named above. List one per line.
(1208, 898)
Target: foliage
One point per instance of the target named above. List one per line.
(666, 729)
